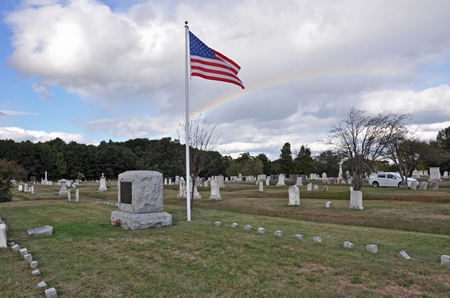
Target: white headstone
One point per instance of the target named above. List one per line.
(69, 199)
(3, 235)
(278, 233)
(317, 239)
(316, 187)
(309, 187)
(372, 248)
(215, 190)
(102, 186)
(404, 255)
(294, 195)
(445, 174)
(217, 223)
(414, 185)
(63, 188)
(51, 293)
(348, 245)
(299, 181)
(268, 181)
(356, 200)
(435, 174)
(20, 187)
(234, 225)
(434, 185)
(248, 227)
(423, 185)
(261, 230)
(281, 180)
(328, 204)
(77, 196)
(261, 186)
(445, 260)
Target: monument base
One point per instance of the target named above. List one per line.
(140, 221)
(215, 198)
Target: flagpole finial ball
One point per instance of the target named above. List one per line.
(186, 22)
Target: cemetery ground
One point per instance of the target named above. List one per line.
(89, 257)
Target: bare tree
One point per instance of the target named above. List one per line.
(203, 140)
(363, 139)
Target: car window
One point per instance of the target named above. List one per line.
(391, 176)
(381, 176)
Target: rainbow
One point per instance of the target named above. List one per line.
(240, 94)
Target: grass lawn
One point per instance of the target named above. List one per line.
(88, 257)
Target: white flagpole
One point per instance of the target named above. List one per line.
(186, 126)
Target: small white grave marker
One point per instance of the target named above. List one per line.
(278, 233)
(36, 272)
(234, 225)
(34, 264)
(404, 255)
(348, 245)
(298, 236)
(248, 227)
(23, 251)
(445, 260)
(261, 230)
(217, 223)
(317, 239)
(372, 248)
(51, 293)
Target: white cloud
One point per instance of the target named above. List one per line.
(42, 91)
(19, 134)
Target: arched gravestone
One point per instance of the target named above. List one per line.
(141, 201)
(294, 195)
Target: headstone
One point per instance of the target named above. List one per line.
(281, 180)
(261, 186)
(351, 188)
(268, 181)
(356, 200)
(27, 188)
(33, 264)
(261, 230)
(16, 247)
(23, 251)
(445, 260)
(102, 186)
(348, 245)
(165, 181)
(77, 196)
(215, 191)
(294, 195)
(221, 180)
(423, 185)
(435, 174)
(414, 185)
(404, 255)
(28, 258)
(141, 201)
(234, 225)
(217, 223)
(3, 235)
(415, 174)
(434, 185)
(51, 293)
(298, 236)
(248, 227)
(278, 233)
(317, 239)
(316, 187)
(69, 199)
(63, 188)
(299, 181)
(325, 188)
(324, 175)
(372, 248)
(42, 284)
(182, 189)
(177, 180)
(41, 231)
(36, 272)
(328, 204)
(20, 187)
(445, 174)
(206, 183)
(309, 187)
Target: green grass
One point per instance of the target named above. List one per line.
(89, 257)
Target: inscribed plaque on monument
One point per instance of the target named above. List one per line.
(125, 192)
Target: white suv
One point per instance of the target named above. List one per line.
(388, 179)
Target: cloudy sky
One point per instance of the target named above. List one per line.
(94, 70)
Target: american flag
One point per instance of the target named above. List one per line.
(212, 65)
